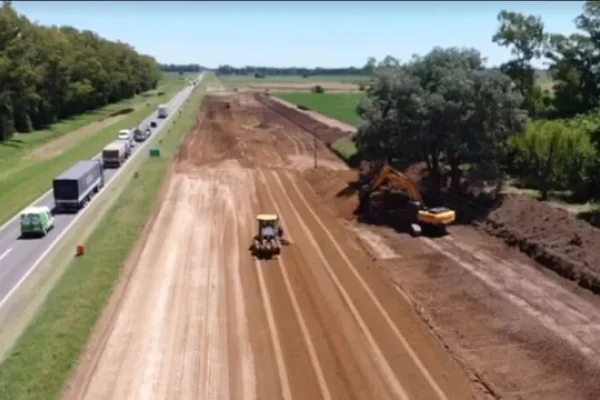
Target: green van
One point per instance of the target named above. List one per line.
(36, 221)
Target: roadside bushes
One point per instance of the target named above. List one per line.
(557, 155)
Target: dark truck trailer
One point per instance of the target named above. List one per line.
(74, 188)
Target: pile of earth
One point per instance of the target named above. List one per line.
(553, 237)
(336, 188)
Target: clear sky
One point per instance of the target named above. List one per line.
(327, 34)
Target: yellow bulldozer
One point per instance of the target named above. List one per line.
(269, 239)
(414, 211)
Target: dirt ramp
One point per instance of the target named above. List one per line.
(326, 134)
(335, 187)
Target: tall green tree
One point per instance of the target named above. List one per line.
(49, 73)
(525, 37)
(441, 109)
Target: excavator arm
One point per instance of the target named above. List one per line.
(439, 217)
(397, 178)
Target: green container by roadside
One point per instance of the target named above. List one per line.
(154, 153)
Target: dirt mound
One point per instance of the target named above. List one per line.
(551, 236)
(326, 134)
(335, 187)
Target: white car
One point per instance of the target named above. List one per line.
(126, 134)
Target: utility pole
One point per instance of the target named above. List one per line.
(315, 149)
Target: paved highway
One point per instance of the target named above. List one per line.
(19, 257)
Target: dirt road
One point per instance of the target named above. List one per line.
(200, 319)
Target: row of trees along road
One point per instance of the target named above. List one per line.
(51, 73)
(447, 109)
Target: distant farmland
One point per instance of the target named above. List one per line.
(239, 81)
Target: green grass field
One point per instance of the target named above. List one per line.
(41, 361)
(341, 106)
(22, 181)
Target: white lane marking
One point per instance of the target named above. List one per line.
(179, 97)
(42, 197)
(5, 254)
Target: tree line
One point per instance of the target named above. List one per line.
(291, 71)
(48, 73)
(182, 68)
(448, 110)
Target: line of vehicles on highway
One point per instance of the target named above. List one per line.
(74, 188)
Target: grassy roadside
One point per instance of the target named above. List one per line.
(25, 182)
(345, 148)
(43, 357)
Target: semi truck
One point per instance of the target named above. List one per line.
(163, 111)
(74, 188)
(114, 154)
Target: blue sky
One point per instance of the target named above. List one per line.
(310, 34)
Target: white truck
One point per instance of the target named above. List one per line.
(126, 135)
(114, 154)
(163, 111)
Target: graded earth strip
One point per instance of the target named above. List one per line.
(202, 319)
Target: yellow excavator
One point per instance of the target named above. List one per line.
(414, 212)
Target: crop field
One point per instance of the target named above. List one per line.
(341, 106)
(293, 83)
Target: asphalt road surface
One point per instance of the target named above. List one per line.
(19, 256)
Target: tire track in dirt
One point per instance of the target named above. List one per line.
(82, 378)
(325, 393)
(209, 322)
(568, 316)
(381, 364)
(386, 316)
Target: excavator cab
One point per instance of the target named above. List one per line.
(415, 212)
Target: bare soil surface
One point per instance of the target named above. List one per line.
(199, 318)
(58, 146)
(525, 332)
(552, 236)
